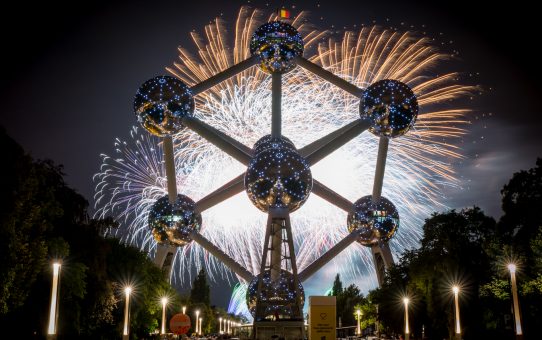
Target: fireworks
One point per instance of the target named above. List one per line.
(418, 165)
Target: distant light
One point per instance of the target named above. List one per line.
(406, 301)
(164, 300)
(128, 290)
(512, 267)
(455, 289)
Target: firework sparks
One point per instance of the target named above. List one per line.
(418, 165)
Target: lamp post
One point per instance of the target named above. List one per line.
(126, 330)
(407, 329)
(164, 304)
(53, 311)
(220, 326)
(358, 331)
(197, 322)
(184, 309)
(455, 289)
(517, 319)
(200, 323)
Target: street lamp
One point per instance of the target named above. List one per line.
(184, 309)
(519, 332)
(455, 289)
(200, 323)
(407, 330)
(197, 322)
(126, 330)
(53, 311)
(358, 312)
(164, 304)
(220, 326)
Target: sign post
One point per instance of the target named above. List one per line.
(322, 315)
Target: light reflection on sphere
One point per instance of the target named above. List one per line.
(374, 223)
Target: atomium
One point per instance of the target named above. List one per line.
(391, 106)
(281, 292)
(276, 44)
(375, 222)
(173, 223)
(277, 176)
(161, 103)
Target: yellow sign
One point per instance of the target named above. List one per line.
(322, 316)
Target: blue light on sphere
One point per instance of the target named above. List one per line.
(391, 106)
(375, 223)
(276, 44)
(161, 103)
(281, 293)
(277, 176)
(172, 223)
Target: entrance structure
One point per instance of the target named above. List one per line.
(278, 179)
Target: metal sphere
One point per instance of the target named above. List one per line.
(276, 44)
(267, 142)
(391, 106)
(375, 223)
(172, 223)
(281, 292)
(278, 177)
(161, 103)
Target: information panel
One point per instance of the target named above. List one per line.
(322, 316)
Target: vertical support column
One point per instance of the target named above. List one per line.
(382, 256)
(276, 98)
(165, 253)
(276, 249)
(170, 169)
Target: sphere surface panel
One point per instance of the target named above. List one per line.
(375, 223)
(391, 106)
(279, 296)
(276, 44)
(161, 103)
(172, 223)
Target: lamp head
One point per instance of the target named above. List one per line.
(512, 267)
(455, 289)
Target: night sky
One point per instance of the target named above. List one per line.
(68, 80)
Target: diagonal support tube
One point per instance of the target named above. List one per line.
(331, 196)
(328, 76)
(226, 191)
(328, 256)
(223, 257)
(226, 74)
(222, 141)
(333, 141)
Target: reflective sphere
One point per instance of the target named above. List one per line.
(391, 106)
(281, 293)
(374, 223)
(276, 44)
(161, 103)
(267, 142)
(173, 223)
(278, 177)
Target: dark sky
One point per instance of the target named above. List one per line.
(69, 75)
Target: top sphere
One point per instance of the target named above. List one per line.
(375, 223)
(268, 142)
(173, 223)
(276, 44)
(391, 106)
(161, 103)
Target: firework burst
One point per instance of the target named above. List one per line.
(418, 166)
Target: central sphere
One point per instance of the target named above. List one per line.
(375, 223)
(161, 103)
(277, 175)
(280, 295)
(391, 106)
(276, 44)
(172, 223)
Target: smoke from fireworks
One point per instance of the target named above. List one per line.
(418, 166)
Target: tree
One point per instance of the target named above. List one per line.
(200, 292)
(337, 286)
